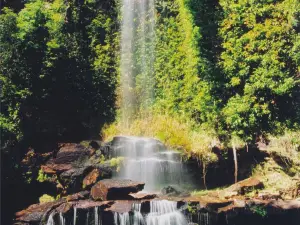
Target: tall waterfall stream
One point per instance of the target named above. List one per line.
(146, 159)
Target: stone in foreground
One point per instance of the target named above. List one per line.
(112, 189)
(142, 196)
(245, 186)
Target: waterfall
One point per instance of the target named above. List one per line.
(62, 219)
(137, 56)
(165, 213)
(162, 212)
(75, 216)
(147, 160)
(96, 216)
(50, 220)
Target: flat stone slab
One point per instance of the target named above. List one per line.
(121, 206)
(142, 195)
(113, 189)
(245, 186)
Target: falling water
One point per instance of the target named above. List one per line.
(62, 219)
(162, 212)
(75, 216)
(96, 216)
(147, 160)
(50, 220)
(137, 56)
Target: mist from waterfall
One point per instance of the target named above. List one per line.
(137, 57)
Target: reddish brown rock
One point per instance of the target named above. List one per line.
(78, 196)
(65, 207)
(85, 204)
(121, 206)
(91, 178)
(35, 213)
(245, 186)
(234, 206)
(67, 155)
(142, 195)
(110, 189)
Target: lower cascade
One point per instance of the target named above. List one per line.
(162, 212)
(149, 161)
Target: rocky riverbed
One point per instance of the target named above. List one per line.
(87, 192)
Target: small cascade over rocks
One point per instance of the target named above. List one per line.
(162, 212)
(148, 160)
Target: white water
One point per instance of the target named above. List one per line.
(147, 160)
(97, 219)
(137, 56)
(162, 212)
(62, 219)
(75, 216)
(50, 220)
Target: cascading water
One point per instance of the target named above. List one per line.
(162, 212)
(137, 56)
(147, 160)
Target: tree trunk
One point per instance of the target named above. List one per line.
(235, 162)
(204, 174)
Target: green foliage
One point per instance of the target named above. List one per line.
(259, 210)
(180, 70)
(260, 66)
(228, 67)
(46, 198)
(42, 177)
(117, 162)
(182, 135)
(57, 69)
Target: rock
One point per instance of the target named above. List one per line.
(209, 203)
(65, 207)
(95, 144)
(35, 213)
(234, 206)
(142, 195)
(70, 155)
(91, 178)
(269, 196)
(284, 205)
(171, 191)
(245, 186)
(121, 206)
(111, 189)
(78, 196)
(86, 204)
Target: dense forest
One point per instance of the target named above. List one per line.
(227, 73)
(233, 65)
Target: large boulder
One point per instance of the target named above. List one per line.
(91, 178)
(113, 189)
(69, 155)
(245, 186)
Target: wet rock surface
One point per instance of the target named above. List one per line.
(245, 186)
(142, 196)
(113, 189)
(73, 167)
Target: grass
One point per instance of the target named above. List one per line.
(287, 145)
(274, 177)
(199, 193)
(175, 134)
